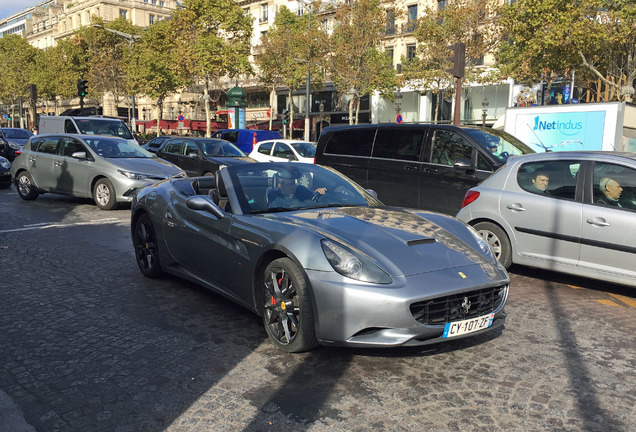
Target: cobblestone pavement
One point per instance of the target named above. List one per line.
(88, 344)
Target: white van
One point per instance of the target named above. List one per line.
(86, 126)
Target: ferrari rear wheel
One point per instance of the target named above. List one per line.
(146, 250)
(287, 312)
(498, 241)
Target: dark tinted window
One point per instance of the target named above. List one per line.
(46, 145)
(70, 146)
(173, 147)
(448, 147)
(403, 144)
(265, 148)
(351, 142)
(282, 150)
(305, 149)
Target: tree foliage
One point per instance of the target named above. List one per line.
(544, 39)
(17, 65)
(287, 49)
(212, 39)
(357, 64)
(467, 21)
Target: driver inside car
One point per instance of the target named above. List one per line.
(289, 192)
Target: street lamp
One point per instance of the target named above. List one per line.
(484, 112)
(130, 38)
(308, 68)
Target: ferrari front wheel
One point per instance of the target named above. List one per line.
(287, 312)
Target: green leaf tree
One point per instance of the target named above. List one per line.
(17, 61)
(288, 49)
(543, 40)
(467, 21)
(213, 40)
(153, 72)
(356, 63)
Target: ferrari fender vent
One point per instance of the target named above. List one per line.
(460, 306)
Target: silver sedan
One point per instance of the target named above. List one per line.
(319, 258)
(107, 169)
(572, 212)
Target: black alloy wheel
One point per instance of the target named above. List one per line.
(146, 250)
(287, 311)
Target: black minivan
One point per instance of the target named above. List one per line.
(425, 166)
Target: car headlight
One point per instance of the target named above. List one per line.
(5, 164)
(353, 265)
(14, 146)
(133, 175)
(483, 245)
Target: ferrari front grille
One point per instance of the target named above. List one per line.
(439, 311)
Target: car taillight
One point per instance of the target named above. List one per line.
(254, 141)
(470, 196)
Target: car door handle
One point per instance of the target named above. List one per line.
(598, 221)
(57, 163)
(430, 170)
(515, 207)
(410, 168)
(31, 159)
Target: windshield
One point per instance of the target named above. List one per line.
(110, 127)
(217, 147)
(501, 144)
(16, 133)
(277, 187)
(305, 149)
(117, 148)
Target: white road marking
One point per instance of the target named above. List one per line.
(46, 225)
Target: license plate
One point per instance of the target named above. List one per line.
(459, 328)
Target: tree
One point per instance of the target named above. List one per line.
(153, 72)
(356, 64)
(212, 39)
(57, 71)
(467, 21)
(107, 56)
(288, 49)
(17, 61)
(543, 39)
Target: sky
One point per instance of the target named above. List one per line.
(9, 7)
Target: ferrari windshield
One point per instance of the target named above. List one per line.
(283, 186)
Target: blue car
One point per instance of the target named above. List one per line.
(15, 135)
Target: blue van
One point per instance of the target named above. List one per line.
(245, 138)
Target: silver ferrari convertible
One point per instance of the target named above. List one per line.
(319, 258)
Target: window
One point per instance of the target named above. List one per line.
(614, 186)
(69, 127)
(264, 11)
(449, 147)
(173, 147)
(357, 142)
(402, 144)
(123, 13)
(390, 24)
(151, 19)
(410, 52)
(553, 178)
(412, 13)
(70, 146)
(265, 148)
(441, 5)
(282, 150)
(47, 145)
(389, 53)
(191, 149)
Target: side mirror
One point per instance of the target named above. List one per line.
(79, 155)
(205, 203)
(464, 164)
(193, 154)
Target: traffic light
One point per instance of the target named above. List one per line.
(458, 59)
(82, 87)
(33, 91)
(285, 116)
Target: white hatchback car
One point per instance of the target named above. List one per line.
(281, 150)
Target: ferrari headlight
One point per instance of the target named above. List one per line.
(353, 265)
(133, 175)
(483, 245)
